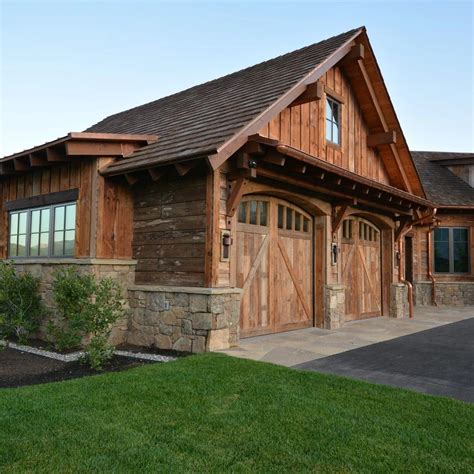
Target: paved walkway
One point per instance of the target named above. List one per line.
(432, 341)
(295, 347)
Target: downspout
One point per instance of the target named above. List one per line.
(429, 240)
(401, 266)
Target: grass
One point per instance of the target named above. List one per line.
(215, 413)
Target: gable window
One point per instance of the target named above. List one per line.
(43, 232)
(451, 250)
(333, 121)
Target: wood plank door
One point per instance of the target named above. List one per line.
(274, 266)
(361, 268)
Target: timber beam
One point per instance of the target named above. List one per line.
(37, 160)
(185, 167)
(403, 227)
(155, 174)
(338, 215)
(131, 178)
(235, 196)
(357, 52)
(314, 91)
(21, 165)
(384, 138)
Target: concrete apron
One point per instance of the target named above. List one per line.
(295, 347)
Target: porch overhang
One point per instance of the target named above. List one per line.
(72, 146)
(271, 160)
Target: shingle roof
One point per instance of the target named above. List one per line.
(444, 155)
(200, 119)
(442, 186)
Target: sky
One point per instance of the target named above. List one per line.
(66, 65)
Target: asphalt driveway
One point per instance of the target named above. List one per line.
(438, 361)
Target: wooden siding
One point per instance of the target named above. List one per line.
(420, 248)
(48, 180)
(104, 208)
(303, 127)
(169, 228)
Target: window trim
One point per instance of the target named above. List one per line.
(52, 208)
(329, 97)
(451, 251)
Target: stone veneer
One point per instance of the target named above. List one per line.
(121, 270)
(398, 300)
(447, 293)
(335, 306)
(184, 318)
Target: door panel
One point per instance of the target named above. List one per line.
(274, 266)
(361, 268)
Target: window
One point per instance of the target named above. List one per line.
(43, 232)
(253, 212)
(290, 219)
(347, 229)
(333, 121)
(451, 250)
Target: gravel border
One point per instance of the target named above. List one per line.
(74, 356)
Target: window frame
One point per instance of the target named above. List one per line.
(332, 122)
(451, 251)
(52, 215)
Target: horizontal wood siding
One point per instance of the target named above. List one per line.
(169, 231)
(303, 127)
(77, 174)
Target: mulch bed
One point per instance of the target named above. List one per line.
(19, 368)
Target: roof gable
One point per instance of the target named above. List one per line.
(200, 120)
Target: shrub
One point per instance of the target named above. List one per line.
(21, 308)
(87, 308)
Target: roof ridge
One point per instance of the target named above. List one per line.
(352, 31)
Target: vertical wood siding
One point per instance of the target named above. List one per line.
(303, 127)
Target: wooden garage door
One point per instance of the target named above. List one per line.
(361, 268)
(274, 266)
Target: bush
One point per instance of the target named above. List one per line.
(86, 308)
(21, 308)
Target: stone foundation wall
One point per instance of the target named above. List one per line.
(399, 301)
(447, 293)
(334, 306)
(184, 319)
(121, 270)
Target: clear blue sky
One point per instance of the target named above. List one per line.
(64, 66)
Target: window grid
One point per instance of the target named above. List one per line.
(32, 232)
(333, 121)
(451, 250)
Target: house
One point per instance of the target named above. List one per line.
(443, 254)
(274, 198)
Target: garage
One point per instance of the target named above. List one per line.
(361, 268)
(274, 263)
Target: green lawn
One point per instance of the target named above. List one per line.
(215, 413)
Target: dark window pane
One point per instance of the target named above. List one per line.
(460, 235)
(460, 256)
(253, 212)
(306, 225)
(298, 217)
(264, 213)
(281, 211)
(441, 257)
(59, 218)
(335, 112)
(242, 212)
(335, 133)
(289, 218)
(441, 234)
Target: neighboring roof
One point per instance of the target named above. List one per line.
(442, 186)
(444, 155)
(198, 120)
